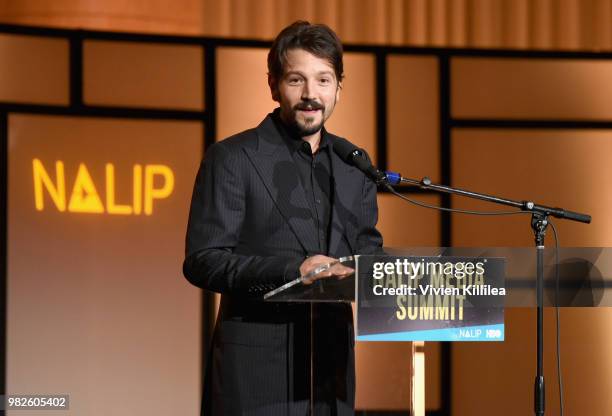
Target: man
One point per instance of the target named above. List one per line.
(269, 205)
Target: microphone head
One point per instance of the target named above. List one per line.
(347, 151)
(354, 156)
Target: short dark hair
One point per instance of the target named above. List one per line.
(318, 39)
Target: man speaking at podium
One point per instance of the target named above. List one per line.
(271, 204)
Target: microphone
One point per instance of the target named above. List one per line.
(355, 156)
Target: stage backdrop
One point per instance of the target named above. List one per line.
(103, 138)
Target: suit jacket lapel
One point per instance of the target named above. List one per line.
(276, 168)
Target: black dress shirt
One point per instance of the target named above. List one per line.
(316, 176)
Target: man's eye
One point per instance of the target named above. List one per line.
(294, 80)
(325, 81)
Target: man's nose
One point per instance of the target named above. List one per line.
(308, 91)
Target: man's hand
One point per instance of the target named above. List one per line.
(311, 263)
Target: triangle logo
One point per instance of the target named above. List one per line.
(84, 197)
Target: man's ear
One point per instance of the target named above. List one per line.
(338, 91)
(273, 84)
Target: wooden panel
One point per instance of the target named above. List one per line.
(33, 70)
(405, 225)
(531, 88)
(243, 96)
(355, 114)
(433, 380)
(383, 375)
(413, 115)
(148, 75)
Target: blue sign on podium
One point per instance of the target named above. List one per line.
(422, 298)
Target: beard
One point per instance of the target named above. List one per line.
(308, 125)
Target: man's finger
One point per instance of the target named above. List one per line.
(338, 269)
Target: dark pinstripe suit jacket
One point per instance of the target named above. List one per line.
(250, 227)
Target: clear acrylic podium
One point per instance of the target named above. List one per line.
(326, 291)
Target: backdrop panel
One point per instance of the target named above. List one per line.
(519, 88)
(33, 69)
(148, 75)
(97, 305)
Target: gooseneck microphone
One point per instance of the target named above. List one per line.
(355, 156)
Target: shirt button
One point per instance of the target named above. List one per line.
(318, 201)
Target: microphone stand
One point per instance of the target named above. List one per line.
(539, 223)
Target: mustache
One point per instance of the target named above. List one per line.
(309, 105)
